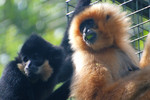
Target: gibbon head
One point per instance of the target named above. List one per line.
(38, 59)
(98, 27)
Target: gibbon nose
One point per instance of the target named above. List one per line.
(89, 36)
(30, 67)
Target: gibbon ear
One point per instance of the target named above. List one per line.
(82, 3)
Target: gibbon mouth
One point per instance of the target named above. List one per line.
(89, 37)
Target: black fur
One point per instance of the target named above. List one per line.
(62, 93)
(67, 68)
(14, 85)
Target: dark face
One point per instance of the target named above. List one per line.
(87, 29)
(32, 64)
(34, 58)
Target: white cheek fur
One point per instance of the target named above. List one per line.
(27, 66)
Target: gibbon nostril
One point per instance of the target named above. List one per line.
(89, 37)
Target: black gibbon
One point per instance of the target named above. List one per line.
(33, 74)
(145, 60)
(105, 63)
(64, 74)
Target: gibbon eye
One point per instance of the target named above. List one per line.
(107, 17)
(25, 59)
(88, 23)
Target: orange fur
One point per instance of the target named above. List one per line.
(45, 71)
(112, 32)
(21, 67)
(145, 60)
(100, 68)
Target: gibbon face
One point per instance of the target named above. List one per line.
(98, 26)
(34, 59)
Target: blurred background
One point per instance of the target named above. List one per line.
(48, 18)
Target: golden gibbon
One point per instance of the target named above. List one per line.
(105, 62)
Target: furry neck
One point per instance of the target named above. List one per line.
(113, 59)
